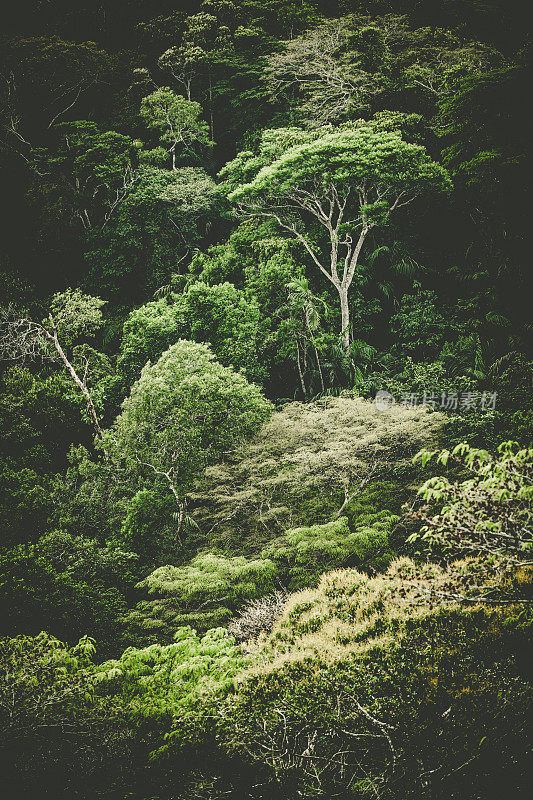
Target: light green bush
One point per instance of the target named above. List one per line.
(391, 672)
(304, 463)
(204, 594)
(162, 680)
(303, 554)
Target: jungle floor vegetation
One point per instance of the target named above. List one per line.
(266, 480)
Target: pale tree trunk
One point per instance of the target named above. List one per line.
(181, 503)
(318, 365)
(350, 260)
(300, 373)
(345, 318)
(343, 286)
(81, 384)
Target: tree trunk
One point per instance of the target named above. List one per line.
(79, 383)
(345, 318)
(318, 365)
(344, 285)
(300, 373)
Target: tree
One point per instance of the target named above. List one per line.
(164, 216)
(204, 593)
(149, 529)
(205, 38)
(330, 190)
(38, 422)
(310, 464)
(183, 413)
(85, 174)
(490, 512)
(163, 679)
(217, 53)
(312, 70)
(177, 122)
(69, 586)
(73, 315)
(304, 322)
(45, 78)
(261, 265)
(347, 66)
(148, 331)
(282, 17)
(221, 316)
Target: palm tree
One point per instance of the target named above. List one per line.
(303, 305)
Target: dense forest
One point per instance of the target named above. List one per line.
(266, 400)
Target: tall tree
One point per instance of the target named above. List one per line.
(73, 316)
(183, 413)
(177, 122)
(330, 190)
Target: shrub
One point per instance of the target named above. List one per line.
(257, 616)
(204, 593)
(490, 512)
(303, 554)
(162, 680)
(375, 687)
(57, 736)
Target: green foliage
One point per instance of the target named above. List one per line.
(301, 328)
(263, 265)
(148, 332)
(177, 122)
(183, 413)
(490, 512)
(389, 670)
(86, 173)
(69, 585)
(221, 316)
(419, 326)
(76, 315)
(335, 131)
(329, 189)
(474, 153)
(149, 528)
(37, 422)
(164, 680)
(43, 683)
(303, 554)
(226, 319)
(417, 378)
(309, 463)
(56, 733)
(343, 158)
(345, 67)
(92, 498)
(204, 594)
(164, 212)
